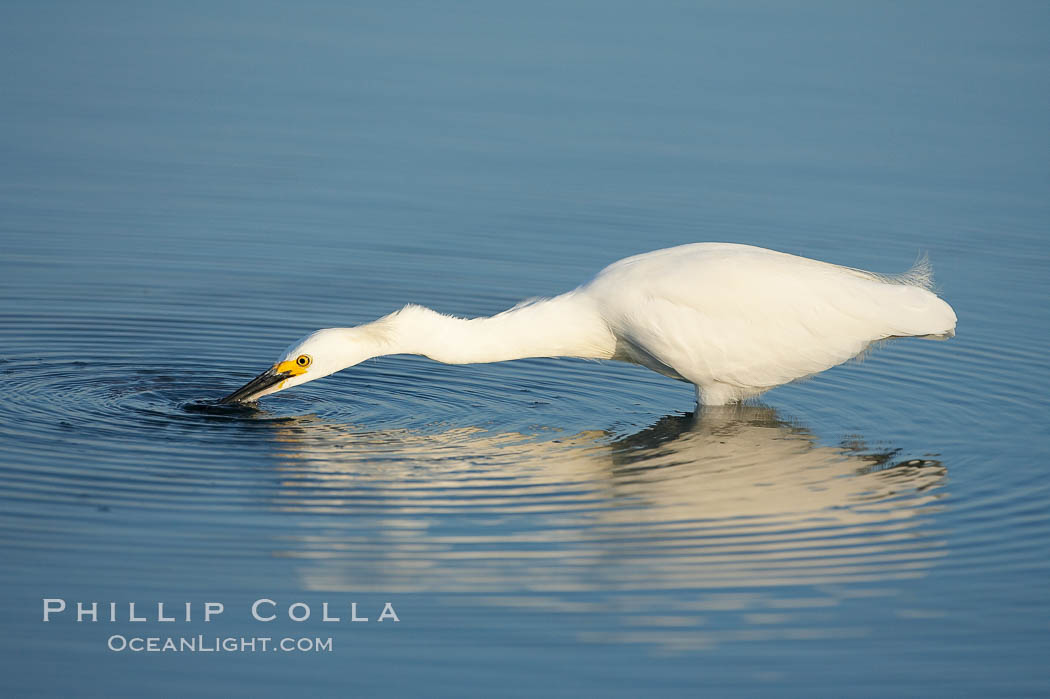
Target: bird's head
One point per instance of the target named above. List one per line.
(315, 356)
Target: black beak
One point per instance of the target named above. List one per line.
(257, 385)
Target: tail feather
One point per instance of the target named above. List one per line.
(920, 274)
(928, 316)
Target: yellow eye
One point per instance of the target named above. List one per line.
(303, 360)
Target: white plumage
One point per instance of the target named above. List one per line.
(737, 320)
(734, 320)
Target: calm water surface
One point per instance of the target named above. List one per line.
(186, 190)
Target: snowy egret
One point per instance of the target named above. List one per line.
(734, 320)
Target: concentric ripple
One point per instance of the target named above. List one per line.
(527, 483)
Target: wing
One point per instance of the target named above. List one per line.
(753, 318)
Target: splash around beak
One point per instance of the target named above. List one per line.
(260, 385)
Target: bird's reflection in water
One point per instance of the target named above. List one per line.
(736, 462)
(729, 498)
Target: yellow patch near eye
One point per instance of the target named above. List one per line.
(290, 367)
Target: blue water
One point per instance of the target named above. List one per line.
(187, 188)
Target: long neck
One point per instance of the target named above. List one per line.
(564, 326)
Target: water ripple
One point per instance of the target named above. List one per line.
(404, 475)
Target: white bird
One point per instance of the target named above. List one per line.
(734, 320)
